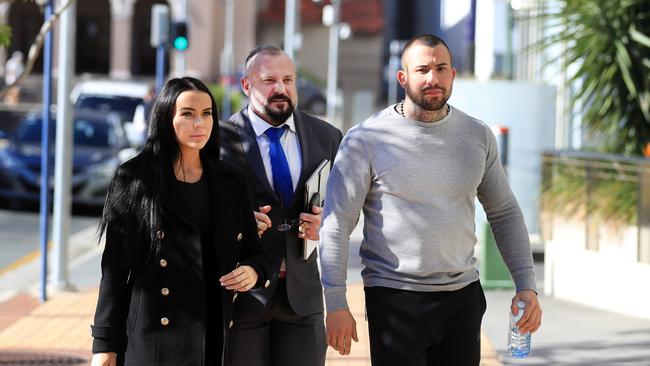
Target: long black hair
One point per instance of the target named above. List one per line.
(133, 202)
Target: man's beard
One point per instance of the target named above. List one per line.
(430, 105)
(278, 115)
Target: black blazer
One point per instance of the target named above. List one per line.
(153, 312)
(318, 140)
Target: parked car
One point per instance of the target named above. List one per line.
(122, 97)
(100, 145)
(310, 97)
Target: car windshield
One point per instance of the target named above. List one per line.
(125, 106)
(86, 133)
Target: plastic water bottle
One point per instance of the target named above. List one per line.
(518, 343)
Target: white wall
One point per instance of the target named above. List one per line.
(608, 279)
(528, 110)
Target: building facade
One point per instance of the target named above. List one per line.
(113, 35)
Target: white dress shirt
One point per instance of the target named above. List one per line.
(289, 142)
(290, 145)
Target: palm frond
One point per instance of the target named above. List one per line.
(607, 58)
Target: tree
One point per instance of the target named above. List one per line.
(607, 45)
(37, 45)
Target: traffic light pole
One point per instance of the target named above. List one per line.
(45, 150)
(63, 148)
(179, 59)
(159, 39)
(160, 67)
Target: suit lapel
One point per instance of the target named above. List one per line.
(304, 137)
(250, 148)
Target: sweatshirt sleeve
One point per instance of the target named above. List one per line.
(346, 192)
(506, 219)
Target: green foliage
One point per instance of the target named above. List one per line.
(608, 59)
(236, 98)
(311, 76)
(564, 193)
(5, 35)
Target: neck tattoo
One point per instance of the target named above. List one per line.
(400, 109)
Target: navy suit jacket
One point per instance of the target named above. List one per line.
(318, 140)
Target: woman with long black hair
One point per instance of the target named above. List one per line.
(181, 241)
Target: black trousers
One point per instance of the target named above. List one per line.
(410, 328)
(278, 337)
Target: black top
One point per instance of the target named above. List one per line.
(181, 342)
(194, 200)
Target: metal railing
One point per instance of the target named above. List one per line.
(597, 189)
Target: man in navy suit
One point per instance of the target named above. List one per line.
(282, 323)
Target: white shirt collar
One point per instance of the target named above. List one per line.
(260, 126)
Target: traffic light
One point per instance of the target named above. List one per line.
(180, 39)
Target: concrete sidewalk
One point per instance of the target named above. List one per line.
(58, 328)
(571, 334)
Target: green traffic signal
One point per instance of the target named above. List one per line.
(180, 43)
(180, 39)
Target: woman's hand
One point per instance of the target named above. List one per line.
(263, 220)
(241, 279)
(104, 359)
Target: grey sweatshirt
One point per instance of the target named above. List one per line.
(417, 183)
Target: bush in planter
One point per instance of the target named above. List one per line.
(236, 98)
(606, 191)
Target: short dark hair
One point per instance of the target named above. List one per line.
(428, 40)
(262, 50)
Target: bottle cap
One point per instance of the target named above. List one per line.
(520, 305)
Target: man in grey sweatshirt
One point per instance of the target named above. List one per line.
(415, 170)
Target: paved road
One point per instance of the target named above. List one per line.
(20, 267)
(20, 234)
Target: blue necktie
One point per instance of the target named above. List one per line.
(282, 184)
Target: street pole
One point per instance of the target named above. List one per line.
(290, 12)
(470, 40)
(180, 65)
(159, 39)
(227, 62)
(45, 150)
(395, 48)
(160, 67)
(64, 144)
(332, 63)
